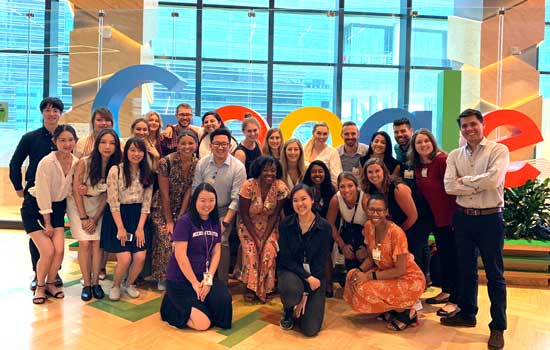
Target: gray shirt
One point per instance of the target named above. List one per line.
(227, 179)
(350, 162)
(482, 173)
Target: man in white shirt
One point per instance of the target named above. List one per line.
(352, 150)
(475, 174)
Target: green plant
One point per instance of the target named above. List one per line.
(527, 210)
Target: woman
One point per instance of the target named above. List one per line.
(304, 244)
(430, 164)
(129, 191)
(175, 176)
(155, 126)
(102, 118)
(273, 143)
(351, 204)
(260, 202)
(388, 281)
(46, 207)
(292, 162)
(401, 207)
(249, 149)
(194, 296)
(380, 147)
(210, 122)
(85, 212)
(140, 128)
(319, 179)
(316, 148)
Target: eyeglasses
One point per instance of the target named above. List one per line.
(220, 144)
(375, 210)
(185, 114)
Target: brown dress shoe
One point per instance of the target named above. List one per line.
(496, 340)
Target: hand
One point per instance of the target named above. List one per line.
(361, 276)
(140, 237)
(168, 132)
(170, 227)
(88, 226)
(459, 180)
(48, 230)
(314, 282)
(197, 286)
(348, 252)
(362, 253)
(121, 236)
(82, 190)
(204, 291)
(300, 308)
(19, 193)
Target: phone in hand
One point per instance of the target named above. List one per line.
(129, 237)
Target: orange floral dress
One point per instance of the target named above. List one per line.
(259, 267)
(377, 296)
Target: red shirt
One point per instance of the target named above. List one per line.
(429, 180)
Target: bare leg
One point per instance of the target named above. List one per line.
(58, 241)
(46, 249)
(198, 320)
(137, 265)
(122, 262)
(96, 255)
(84, 253)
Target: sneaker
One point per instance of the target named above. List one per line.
(458, 321)
(161, 285)
(132, 291)
(496, 340)
(114, 294)
(418, 305)
(286, 322)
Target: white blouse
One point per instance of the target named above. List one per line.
(51, 184)
(118, 194)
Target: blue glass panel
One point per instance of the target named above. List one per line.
(387, 6)
(307, 4)
(434, 7)
(429, 43)
(14, 20)
(176, 36)
(545, 85)
(261, 3)
(544, 51)
(423, 92)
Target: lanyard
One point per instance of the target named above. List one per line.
(208, 246)
(308, 238)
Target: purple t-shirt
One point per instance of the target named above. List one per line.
(201, 243)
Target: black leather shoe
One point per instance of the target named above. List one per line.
(458, 321)
(496, 340)
(98, 292)
(287, 323)
(58, 281)
(86, 293)
(33, 283)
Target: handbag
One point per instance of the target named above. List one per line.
(352, 233)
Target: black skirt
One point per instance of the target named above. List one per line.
(130, 214)
(180, 297)
(34, 221)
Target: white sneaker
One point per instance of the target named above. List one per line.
(132, 291)
(114, 294)
(418, 305)
(161, 285)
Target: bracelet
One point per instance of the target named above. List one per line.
(374, 275)
(306, 294)
(85, 218)
(225, 224)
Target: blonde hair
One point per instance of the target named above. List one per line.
(266, 150)
(300, 164)
(308, 147)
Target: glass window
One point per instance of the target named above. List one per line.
(301, 86)
(387, 6)
(545, 85)
(423, 92)
(234, 34)
(17, 27)
(261, 3)
(165, 101)
(301, 37)
(544, 51)
(434, 7)
(371, 40)
(64, 90)
(429, 43)
(307, 4)
(366, 91)
(175, 36)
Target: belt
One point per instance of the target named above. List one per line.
(478, 212)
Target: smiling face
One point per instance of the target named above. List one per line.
(378, 145)
(320, 134)
(135, 155)
(107, 145)
(154, 122)
(377, 211)
(101, 122)
(141, 129)
(375, 174)
(348, 190)
(65, 142)
(292, 152)
(206, 202)
(210, 123)
(274, 140)
(423, 146)
(402, 134)
(251, 132)
(51, 116)
(317, 175)
(471, 129)
(302, 202)
(220, 147)
(268, 174)
(187, 146)
(184, 116)
(350, 134)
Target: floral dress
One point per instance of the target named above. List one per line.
(179, 183)
(377, 296)
(259, 267)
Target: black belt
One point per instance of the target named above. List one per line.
(478, 212)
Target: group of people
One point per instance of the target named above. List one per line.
(175, 197)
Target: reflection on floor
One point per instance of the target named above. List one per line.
(136, 324)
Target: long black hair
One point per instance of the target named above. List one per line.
(388, 152)
(327, 190)
(192, 209)
(96, 174)
(145, 173)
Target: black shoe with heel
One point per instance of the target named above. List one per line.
(86, 294)
(287, 323)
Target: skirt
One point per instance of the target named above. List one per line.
(180, 297)
(91, 204)
(34, 221)
(130, 214)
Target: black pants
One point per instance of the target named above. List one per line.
(446, 248)
(291, 288)
(417, 241)
(486, 234)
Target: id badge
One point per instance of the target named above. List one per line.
(102, 187)
(409, 174)
(376, 254)
(424, 172)
(306, 267)
(207, 279)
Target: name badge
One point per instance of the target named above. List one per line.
(424, 172)
(409, 174)
(207, 279)
(102, 187)
(306, 267)
(376, 254)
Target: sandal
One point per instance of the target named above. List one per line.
(249, 296)
(436, 300)
(39, 299)
(385, 316)
(58, 295)
(404, 318)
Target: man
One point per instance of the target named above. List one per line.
(184, 115)
(35, 145)
(402, 133)
(227, 174)
(475, 174)
(352, 150)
